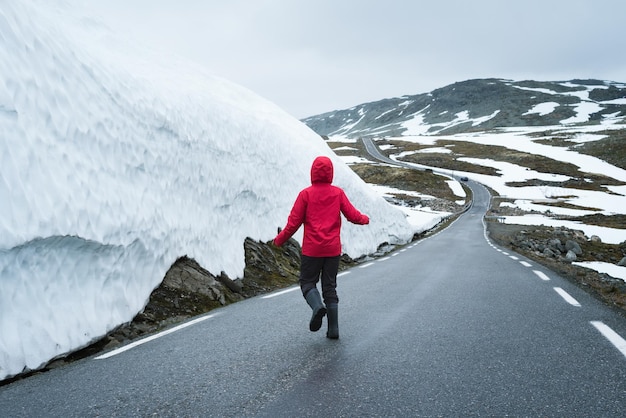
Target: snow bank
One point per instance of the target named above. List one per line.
(112, 166)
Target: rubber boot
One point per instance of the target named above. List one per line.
(333, 321)
(314, 300)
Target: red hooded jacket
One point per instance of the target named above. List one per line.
(319, 208)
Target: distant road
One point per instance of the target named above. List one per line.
(449, 326)
(374, 151)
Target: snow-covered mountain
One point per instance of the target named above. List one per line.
(479, 105)
(114, 162)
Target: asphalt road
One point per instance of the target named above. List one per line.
(449, 326)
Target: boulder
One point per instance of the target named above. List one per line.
(571, 245)
(556, 245)
(570, 256)
(186, 277)
(548, 252)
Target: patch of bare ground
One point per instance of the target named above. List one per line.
(611, 149)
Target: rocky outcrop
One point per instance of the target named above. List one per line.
(190, 290)
(564, 244)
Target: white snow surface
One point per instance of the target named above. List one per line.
(114, 162)
(612, 270)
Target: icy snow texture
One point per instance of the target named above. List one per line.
(112, 166)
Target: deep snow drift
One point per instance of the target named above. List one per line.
(112, 166)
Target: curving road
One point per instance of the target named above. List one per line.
(449, 326)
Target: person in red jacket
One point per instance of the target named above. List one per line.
(319, 208)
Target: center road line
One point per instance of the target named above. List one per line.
(569, 299)
(541, 275)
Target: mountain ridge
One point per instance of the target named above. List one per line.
(479, 105)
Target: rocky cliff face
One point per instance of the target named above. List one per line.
(189, 290)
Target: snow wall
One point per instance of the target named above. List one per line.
(114, 162)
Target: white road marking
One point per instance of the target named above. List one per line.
(611, 335)
(282, 292)
(366, 265)
(541, 275)
(505, 253)
(525, 264)
(153, 337)
(569, 299)
(513, 257)
(384, 258)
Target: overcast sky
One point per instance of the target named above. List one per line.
(315, 56)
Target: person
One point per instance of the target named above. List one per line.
(319, 208)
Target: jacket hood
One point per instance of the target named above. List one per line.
(322, 170)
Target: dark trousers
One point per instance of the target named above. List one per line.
(312, 269)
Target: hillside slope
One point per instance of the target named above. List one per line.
(479, 105)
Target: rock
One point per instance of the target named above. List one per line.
(556, 245)
(234, 285)
(622, 262)
(596, 239)
(571, 245)
(187, 276)
(570, 256)
(549, 253)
